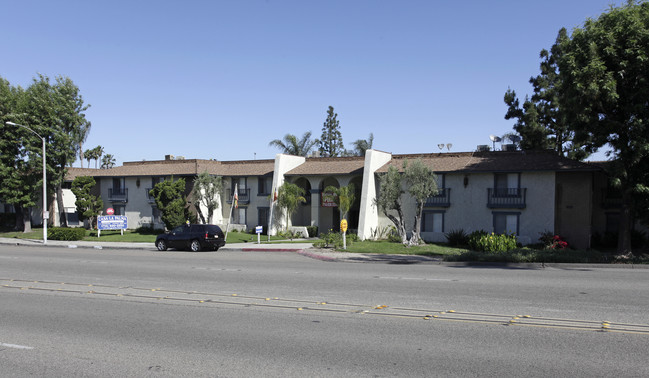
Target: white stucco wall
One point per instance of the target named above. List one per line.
(369, 219)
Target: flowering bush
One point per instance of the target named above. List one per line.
(492, 242)
(551, 241)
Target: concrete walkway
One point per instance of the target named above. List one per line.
(304, 248)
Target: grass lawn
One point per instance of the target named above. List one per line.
(134, 237)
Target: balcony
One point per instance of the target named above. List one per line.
(149, 197)
(118, 194)
(611, 199)
(441, 199)
(509, 198)
(244, 196)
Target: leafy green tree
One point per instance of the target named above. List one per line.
(170, 199)
(56, 112)
(108, 161)
(88, 205)
(362, 145)
(541, 121)
(205, 193)
(331, 141)
(293, 146)
(344, 198)
(21, 157)
(604, 69)
(388, 200)
(289, 197)
(422, 183)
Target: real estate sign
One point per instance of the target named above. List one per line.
(112, 222)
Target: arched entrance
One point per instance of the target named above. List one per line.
(302, 216)
(329, 214)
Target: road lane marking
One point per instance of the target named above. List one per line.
(15, 346)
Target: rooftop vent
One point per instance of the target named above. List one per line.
(169, 157)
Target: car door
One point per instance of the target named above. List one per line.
(178, 237)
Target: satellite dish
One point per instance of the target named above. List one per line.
(515, 138)
(495, 138)
(448, 146)
(440, 146)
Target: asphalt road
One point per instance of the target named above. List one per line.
(83, 312)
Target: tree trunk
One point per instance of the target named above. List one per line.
(624, 234)
(415, 239)
(59, 201)
(27, 220)
(20, 223)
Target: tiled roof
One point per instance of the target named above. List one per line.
(494, 161)
(330, 166)
(191, 167)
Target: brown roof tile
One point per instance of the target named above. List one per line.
(329, 166)
(494, 161)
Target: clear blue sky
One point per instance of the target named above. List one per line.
(220, 79)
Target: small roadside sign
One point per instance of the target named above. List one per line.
(110, 211)
(259, 230)
(343, 225)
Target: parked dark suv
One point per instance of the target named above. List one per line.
(194, 237)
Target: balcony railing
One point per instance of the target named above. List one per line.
(441, 199)
(118, 194)
(611, 199)
(244, 195)
(149, 197)
(513, 198)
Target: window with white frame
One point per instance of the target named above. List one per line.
(506, 222)
(432, 221)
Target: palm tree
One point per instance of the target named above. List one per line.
(362, 145)
(292, 146)
(108, 161)
(289, 198)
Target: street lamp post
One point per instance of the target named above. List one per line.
(45, 212)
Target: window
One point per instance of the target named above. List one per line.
(262, 217)
(119, 209)
(506, 184)
(240, 182)
(239, 215)
(432, 221)
(118, 185)
(613, 222)
(72, 216)
(155, 213)
(265, 185)
(506, 223)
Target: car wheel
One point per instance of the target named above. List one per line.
(161, 245)
(216, 249)
(195, 246)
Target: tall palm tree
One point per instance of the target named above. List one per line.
(362, 145)
(108, 161)
(292, 146)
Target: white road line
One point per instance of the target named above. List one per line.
(15, 346)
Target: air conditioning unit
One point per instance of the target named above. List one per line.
(509, 147)
(483, 147)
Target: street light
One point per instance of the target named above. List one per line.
(45, 212)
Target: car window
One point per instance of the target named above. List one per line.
(213, 229)
(178, 230)
(198, 228)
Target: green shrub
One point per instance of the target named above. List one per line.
(334, 239)
(474, 239)
(312, 230)
(63, 233)
(494, 243)
(457, 238)
(147, 229)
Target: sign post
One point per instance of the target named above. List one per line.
(343, 228)
(259, 230)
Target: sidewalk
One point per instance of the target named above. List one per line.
(305, 249)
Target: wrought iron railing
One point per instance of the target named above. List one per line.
(243, 194)
(441, 199)
(118, 194)
(507, 198)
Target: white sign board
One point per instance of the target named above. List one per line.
(112, 222)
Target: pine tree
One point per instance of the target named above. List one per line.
(331, 141)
